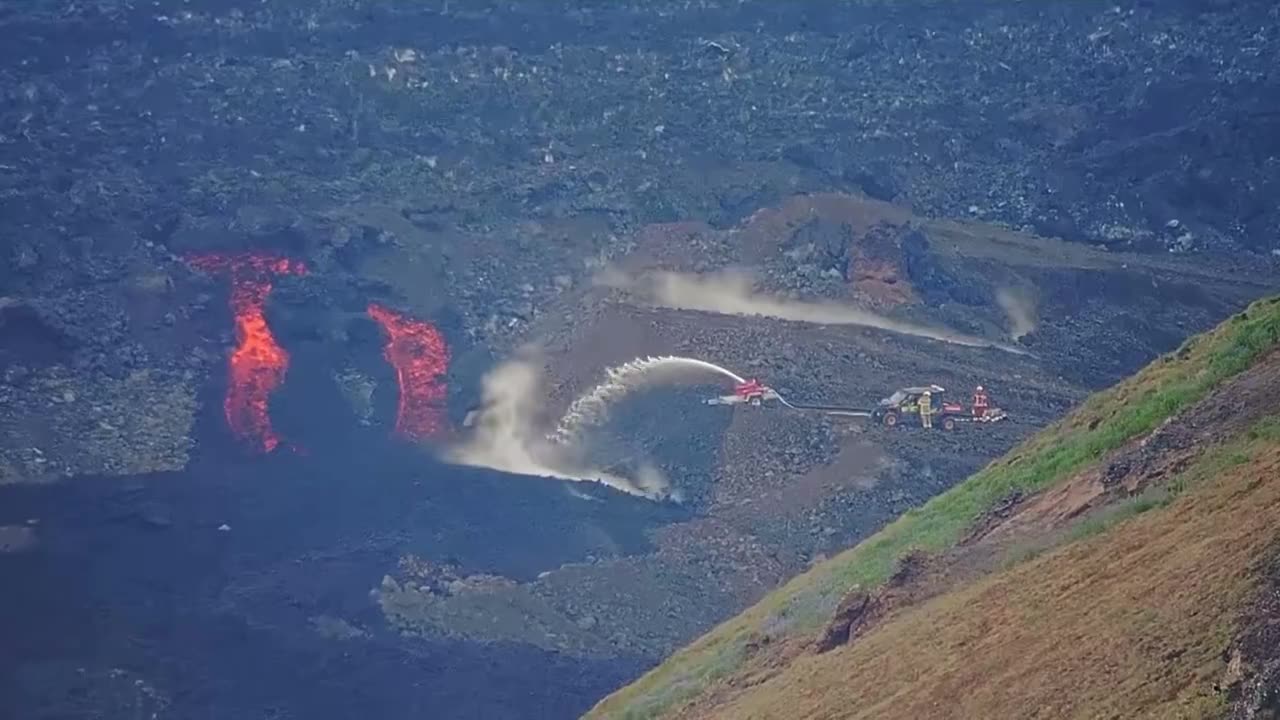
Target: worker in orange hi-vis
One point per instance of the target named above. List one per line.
(980, 402)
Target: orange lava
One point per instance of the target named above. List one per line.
(258, 364)
(420, 357)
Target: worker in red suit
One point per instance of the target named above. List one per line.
(980, 402)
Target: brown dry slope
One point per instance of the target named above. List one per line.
(1118, 564)
(1130, 623)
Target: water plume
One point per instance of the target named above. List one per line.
(503, 436)
(592, 407)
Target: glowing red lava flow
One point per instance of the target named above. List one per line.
(420, 357)
(258, 364)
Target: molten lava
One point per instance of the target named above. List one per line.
(420, 357)
(258, 364)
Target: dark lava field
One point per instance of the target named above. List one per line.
(262, 261)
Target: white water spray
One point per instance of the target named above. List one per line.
(503, 438)
(593, 407)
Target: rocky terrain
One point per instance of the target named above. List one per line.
(476, 166)
(1162, 486)
(778, 490)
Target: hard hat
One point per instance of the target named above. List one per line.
(979, 388)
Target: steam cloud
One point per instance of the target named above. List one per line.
(731, 293)
(504, 437)
(1020, 306)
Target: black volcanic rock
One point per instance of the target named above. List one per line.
(473, 164)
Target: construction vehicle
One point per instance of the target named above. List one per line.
(754, 392)
(904, 404)
(750, 392)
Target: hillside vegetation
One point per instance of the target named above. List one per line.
(1015, 636)
(1128, 623)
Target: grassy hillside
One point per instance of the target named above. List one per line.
(1104, 423)
(1078, 632)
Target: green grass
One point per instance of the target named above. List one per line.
(1215, 463)
(1103, 423)
(1115, 514)
(722, 661)
(1100, 521)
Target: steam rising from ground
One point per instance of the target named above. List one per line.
(593, 406)
(1020, 306)
(732, 293)
(504, 436)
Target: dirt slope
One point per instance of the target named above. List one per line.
(1131, 623)
(1034, 583)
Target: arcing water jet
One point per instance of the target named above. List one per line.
(619, 380)
(503, 437)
